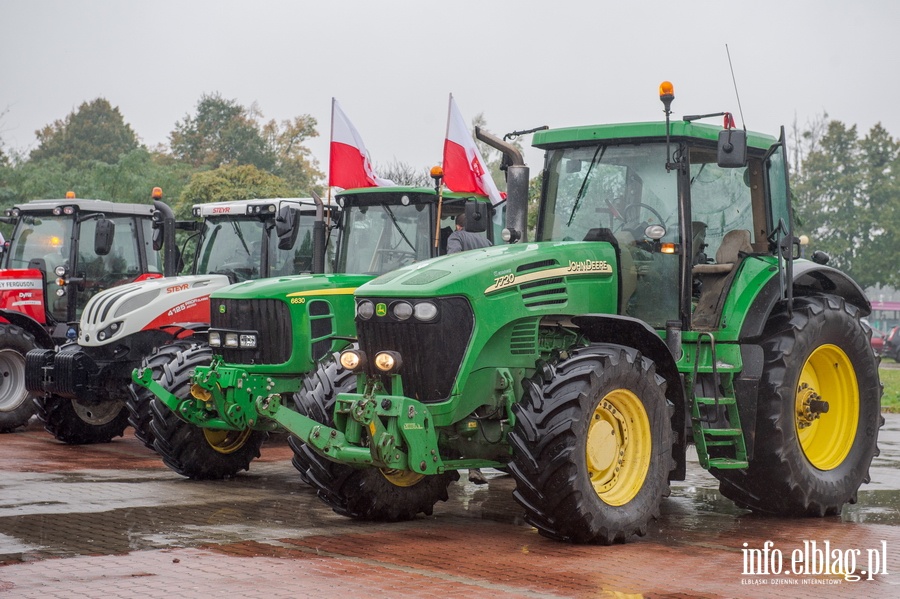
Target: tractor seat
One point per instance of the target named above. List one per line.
(729, 253)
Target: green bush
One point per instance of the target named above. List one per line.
(890, 378)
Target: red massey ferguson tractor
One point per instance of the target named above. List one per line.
(61, 253)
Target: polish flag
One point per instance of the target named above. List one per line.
(349, 164)
(464, 169)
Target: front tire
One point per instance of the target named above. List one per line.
(360, 493)
(16, 406)
(191, 451)
(139, 413)
(810, 462)
(78, 424)
(592, 447)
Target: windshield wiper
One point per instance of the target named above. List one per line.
(397, 226)
(240, 236)
(598, 156)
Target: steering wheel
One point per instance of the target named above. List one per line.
(402, 257)
(631, 219)
(637, 208)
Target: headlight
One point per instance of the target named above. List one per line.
(353, 360)
(425, 311)
(60, 271)
(402, 310)
(215, 340)
(365, 309)
(247, 341)
(388, 361)
(231, 339)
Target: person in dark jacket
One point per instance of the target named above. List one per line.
(461, 240)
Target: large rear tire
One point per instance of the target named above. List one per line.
(16, 406)
(592, 447)
(191, 451)
(809, 462)
(139, 398)
(360, 493)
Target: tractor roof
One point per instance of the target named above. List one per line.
(447, 194)
(649, 131)
(104, 206)
(243, 207)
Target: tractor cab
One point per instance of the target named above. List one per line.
(80, 247)
(382, 229)
(254, 239)
(681, 222)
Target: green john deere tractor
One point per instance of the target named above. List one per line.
(663, 303)
(287, 325)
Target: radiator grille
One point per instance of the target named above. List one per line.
(270, 318)
(432, 352)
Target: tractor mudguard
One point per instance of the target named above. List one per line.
(809, 278)
(30, 325)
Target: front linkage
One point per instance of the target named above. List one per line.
(229, 398)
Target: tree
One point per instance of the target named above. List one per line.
(293, 160)
(402, 173)
(94, 132)
(229, 183)
(221, 132)
(848, 202)
(130, 179)
(225, 133)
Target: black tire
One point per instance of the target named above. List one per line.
(572, 478)
(139, 398)
(191, 451)
(814, 470)
(360, 493)
(16, 407)
(77, 424)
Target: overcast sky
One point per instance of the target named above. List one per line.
(392, 64)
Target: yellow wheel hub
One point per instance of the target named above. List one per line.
(226, 441)
(827, 407)
(618, 447)
(402, 478)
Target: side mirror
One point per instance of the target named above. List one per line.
(103, 236)
(286, 227)
(477, 216)
(158, 238)
(732, 150)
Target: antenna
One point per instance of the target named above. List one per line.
(734, 81)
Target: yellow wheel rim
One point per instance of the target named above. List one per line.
(226, 441)
(826, 437)
(402, 478)
(618, 447)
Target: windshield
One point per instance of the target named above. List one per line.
(40, 237)
(233, 246)
(383, 237)
(594, 192)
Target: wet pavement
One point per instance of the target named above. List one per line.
(111, 520)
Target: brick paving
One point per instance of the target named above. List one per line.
(111, 521)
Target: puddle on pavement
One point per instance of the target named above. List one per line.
(97, 512)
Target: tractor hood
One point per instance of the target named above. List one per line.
(152, 304)
(291, 288)
(541, 272)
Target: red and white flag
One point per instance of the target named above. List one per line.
(349, 164)
(465, 171)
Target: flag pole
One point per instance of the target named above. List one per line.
(437, 173)
(331, 141)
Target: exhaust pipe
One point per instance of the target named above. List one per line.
(516, 187)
